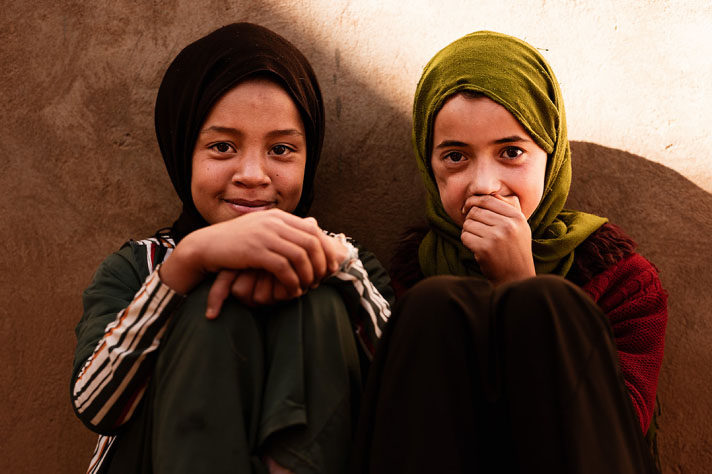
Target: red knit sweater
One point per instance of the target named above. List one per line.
(623, 284)
(632, 297)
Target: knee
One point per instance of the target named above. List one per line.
(442, 304)
(319, 324)
(324, 316)
(548, 307)
(442, 291)
(325, 307)
(236, 321)
(539, 290)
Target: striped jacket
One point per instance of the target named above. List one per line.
(126, 313)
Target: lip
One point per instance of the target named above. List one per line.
(245, 206)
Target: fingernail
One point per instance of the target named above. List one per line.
(210, 313)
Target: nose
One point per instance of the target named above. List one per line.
(251, 170)
(484, 177)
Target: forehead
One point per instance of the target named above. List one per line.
(255, 104)
(477, 116)
(256, 92)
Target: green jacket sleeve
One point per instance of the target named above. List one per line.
(126, 312)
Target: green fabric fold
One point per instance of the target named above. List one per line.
(513, 74)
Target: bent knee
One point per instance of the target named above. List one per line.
(443, 290)
(325, 311)
(235, 318)
(546, 304)
(538, 286)
(443, 303)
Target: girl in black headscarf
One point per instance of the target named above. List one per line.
(176, 374)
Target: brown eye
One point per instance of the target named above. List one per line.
(281, 149)
(454, 156)
(221, 147)
(512, 152)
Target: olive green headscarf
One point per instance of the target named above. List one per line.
(513, 74)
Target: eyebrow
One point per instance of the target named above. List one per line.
(511, 139)
(449, 143)
(288, 131)
(234, 131)
(219, 129)
(499, 141)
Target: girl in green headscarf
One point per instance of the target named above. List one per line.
(531, 339)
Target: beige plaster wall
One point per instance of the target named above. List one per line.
(81, 171)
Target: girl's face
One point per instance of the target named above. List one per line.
(250, 153)
(480, 148)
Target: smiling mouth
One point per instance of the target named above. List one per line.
(243, 206)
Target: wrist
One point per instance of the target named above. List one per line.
(182, 270)
(514, 276)
(347, 252)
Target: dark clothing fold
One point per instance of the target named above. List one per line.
(254, 381)
(521, 378)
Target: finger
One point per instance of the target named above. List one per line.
(219, 291)
(477, 228)
(269, 242)
(316, 252)
(336, 252)
(472, 242)
(290, 264)
(309, 237)
(504, 206)
(262, 294)
(295, 238)
(505, 230)
(484, 216)
(305, 224)
(244, 285)
(512, 200)
(279, 292)
(307, 234)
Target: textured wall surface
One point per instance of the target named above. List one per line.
(81, 171)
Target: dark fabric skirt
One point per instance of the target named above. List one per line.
(282, 381)
(519, 379)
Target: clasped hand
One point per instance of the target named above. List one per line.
(260, 258)
(498, 234)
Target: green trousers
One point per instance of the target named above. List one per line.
(282, 381)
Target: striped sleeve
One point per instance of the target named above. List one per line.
(363, 280)
(101, 453)
(111, 382)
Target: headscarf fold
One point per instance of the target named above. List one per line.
(205, 70)
(513, 74)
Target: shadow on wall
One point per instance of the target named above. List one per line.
(668, 215)
(368, 186)
(671, 218)
(82, 140)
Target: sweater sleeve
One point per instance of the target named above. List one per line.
(631, 295)
(124, 320)
(365, 287)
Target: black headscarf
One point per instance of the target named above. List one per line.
(207, 69)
